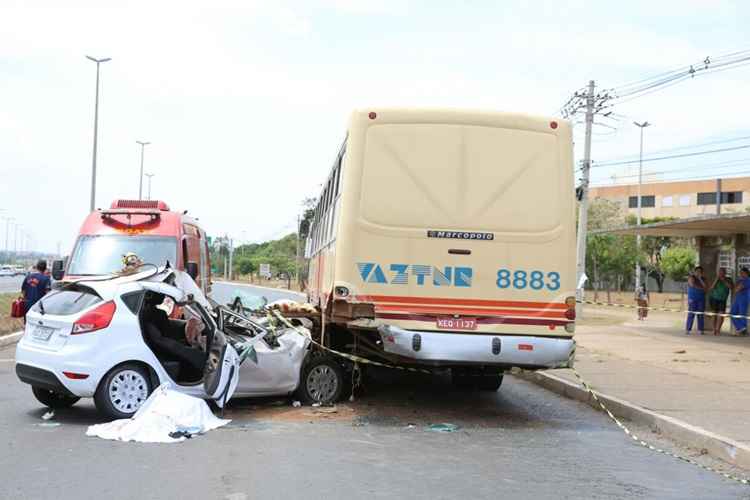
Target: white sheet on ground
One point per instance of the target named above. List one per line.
(166, 411)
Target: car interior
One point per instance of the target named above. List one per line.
(166, 337)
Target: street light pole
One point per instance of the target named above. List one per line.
(7, 220)
(96, 129)
(140, 178)
(640, 181)
(149, 184)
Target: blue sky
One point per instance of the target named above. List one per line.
(246, 102)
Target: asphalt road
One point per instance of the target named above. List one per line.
(10, 283)
(224, 292)
(521, 442)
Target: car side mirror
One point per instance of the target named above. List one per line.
(58, 269)
(192, 269)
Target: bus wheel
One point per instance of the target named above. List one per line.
(489, 382)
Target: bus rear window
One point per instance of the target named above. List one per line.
(440, 176)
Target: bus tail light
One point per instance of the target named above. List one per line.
(570, 313)
(95, 320)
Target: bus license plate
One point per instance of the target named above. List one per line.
(449, 323)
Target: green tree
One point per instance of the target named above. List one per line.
(610, 258)
(678, 261)
(652, 248)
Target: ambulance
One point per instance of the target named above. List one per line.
(147, 228)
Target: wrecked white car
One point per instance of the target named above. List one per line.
(118, 338)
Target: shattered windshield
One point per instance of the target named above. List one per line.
(102, 254)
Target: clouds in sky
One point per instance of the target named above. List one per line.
(246, 102)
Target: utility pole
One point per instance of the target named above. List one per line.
(7, 220)
(583, 208)
(149, 184)
(140, 177)
(718, 196)
(297, 265)
(231, 253)
(96, 129)
(638, 236)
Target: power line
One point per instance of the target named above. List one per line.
(706, 177)
(670, 157)
(726, 164)
(690, 146)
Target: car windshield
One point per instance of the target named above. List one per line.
(98, 255)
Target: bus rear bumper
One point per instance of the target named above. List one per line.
(465, 348)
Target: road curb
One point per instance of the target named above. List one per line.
(10, 339)
(718, 446)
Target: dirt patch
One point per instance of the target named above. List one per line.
(8, 324)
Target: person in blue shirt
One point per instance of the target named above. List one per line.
(696, 300)
(36, 285)
(741, 301)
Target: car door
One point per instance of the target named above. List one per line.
(221, 373)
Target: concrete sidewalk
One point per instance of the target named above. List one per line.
(701, 380)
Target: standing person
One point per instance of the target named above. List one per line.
(696, 300)
(741, 299)
(718, 296)
(36, 284)
(642, 298)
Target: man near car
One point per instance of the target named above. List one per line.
(36, 285)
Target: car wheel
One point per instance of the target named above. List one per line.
(53, 399)
(122, 391)
(322, 381)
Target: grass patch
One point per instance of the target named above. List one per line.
(8, 324)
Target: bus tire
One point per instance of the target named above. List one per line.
(489, 383)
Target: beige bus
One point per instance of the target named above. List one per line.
(447, 238)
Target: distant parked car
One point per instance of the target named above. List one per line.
(7, 271)
(20, 271)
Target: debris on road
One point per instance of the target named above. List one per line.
(167, 416)
(296, 404)
(444, 427)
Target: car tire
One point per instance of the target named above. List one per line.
(322, 381)
(123, 390)
(52, 399)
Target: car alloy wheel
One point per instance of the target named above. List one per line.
(127, 391)
(322, 383)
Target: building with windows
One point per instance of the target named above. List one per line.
(680, 199)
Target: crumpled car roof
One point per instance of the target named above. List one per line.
(178, 284)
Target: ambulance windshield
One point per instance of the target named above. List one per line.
(96, 255)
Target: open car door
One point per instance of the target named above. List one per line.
(221, 373)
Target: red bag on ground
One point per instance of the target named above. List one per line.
(18, 308)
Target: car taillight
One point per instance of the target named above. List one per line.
(95, 320)
(570, 313)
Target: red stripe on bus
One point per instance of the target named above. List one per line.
(464, 302)
(464, 310)
(489, 320)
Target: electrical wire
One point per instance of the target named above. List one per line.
(669, 157)
(691, 146)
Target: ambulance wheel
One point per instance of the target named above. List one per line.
(322, 381)
(123, 390)
(53, 399)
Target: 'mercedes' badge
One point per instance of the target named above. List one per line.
(460, 235)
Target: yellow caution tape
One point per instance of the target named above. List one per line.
(650, 446)
(662, 309)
